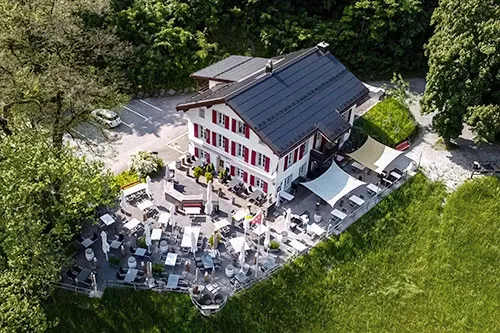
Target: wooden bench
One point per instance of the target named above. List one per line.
(403, 146)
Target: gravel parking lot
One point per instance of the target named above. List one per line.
(150, 124)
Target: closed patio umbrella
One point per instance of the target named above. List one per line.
(209, 206)
(147, 233)
(123, 201)
(246, 221)
(278, 198)
(242, 257)
(148, 186)
(288, 219)
(194, 247)
(167, 173)
(267, 239)
(105, 245)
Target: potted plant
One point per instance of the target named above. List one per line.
(114, 261)
(158, 268)
(209, 177)
(197, 172)
(274, 246)
(211, 240)
(141, 242)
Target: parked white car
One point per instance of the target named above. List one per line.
(107, 117)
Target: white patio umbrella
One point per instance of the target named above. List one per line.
(242, 257)
(147, 233)
(209, 206)
(105, 245)
(167, 173)
(267, 239)
(288, 219)
(194, 247)
(148, 186)
(94, 282)
(123, 201)
(246, 221)
(278, 198)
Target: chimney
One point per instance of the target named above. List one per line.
(323, 47)
(269, 66)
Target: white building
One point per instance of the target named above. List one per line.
(271, 121)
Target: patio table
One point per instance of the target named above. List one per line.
(208, 261)
(107, 219)
(237, 244)
(373, 189)
(135, 189)
(83, 275)
(297, 245)
(260, 230)
(316, 229)
(338, 214)
(213, 287)
(197, 163)
(268, 264)
(358, 166)
(234, 182)
(164, 218)
(156, 234)
(241, 277)
(173, 281)
(357, 200)
(171, 259)
(144, 205)
(395, 175)
(221, 224)
(256, 194)
(239, 215)
(87, 242)
(131, 275)
(115, 244)
(287, 196)
(140, 252)
(132, 224)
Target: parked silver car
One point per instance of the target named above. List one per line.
(107, 117)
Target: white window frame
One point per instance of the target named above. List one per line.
(202, 132)
(239, 173)
(240, 127)
(260, 160)
(288, 181)
(240, 151)
(303, 169)
(202, 154)
(259, 183)
(221, 142)
(201, 113)
(289, 159)
(221, 119)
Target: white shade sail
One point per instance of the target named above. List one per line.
(333, 184)
(186, 237)
(375, 155)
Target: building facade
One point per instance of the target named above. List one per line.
(269, 122)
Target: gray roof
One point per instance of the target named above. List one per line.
(304, 94)
(233, 68)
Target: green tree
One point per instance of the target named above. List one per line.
(46, 195)
(464, 65)
(58, 62)
(485, 122)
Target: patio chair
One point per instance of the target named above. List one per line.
(77, 268)
(121, 238)
(79, 238)
(121, 270)
(94, 237)
(132, 250)
(120, 276)
(72, 275)
(148, 254)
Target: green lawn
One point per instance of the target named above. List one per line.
(388, 122)
(421, 260)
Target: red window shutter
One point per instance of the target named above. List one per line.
(254, 156)
(226, 122)
(214, 138)
(233, 148)
(267, 163)
(207, 157)
(208, 136)
(245, 177)
(245, 152)
(196, 152)
(234, 125)
(247, 131)
(286, 163)
(232, 170)
(226, 144)
(295, 155)
(195, 130)
(302, 149)
(214, 116)
(252, 180)
(265, 187)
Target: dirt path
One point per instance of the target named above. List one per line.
(452, 167)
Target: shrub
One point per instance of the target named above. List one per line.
(145, 164)
(141, 242)
(114, 261)
(274, 245)
(158, 268)
(197, 172)
(126, 177)
(211, 239)
(209, 177)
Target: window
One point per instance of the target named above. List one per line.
(221, 142)
(288, 181)
(203, 155)
(240, 127)
(240, 150)
(221, 119)
(201, 113)
(303, 169)
(240, 173)
(259, 183)
(289, 159)
(261, 160)
(221, 163)
(202, 132)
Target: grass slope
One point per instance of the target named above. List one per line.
(388, 122)
(411, 264)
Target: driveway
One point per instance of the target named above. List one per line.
(150, 124)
